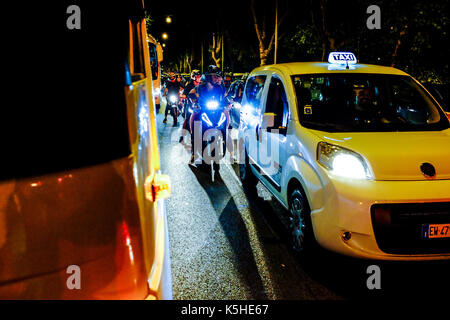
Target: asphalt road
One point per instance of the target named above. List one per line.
(228, 244)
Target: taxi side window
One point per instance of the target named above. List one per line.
(409, 103)
(254, 89)
(277, 103)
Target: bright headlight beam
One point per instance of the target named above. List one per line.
(348, 166)
(173, 99)
(343, 162)
(212, 105)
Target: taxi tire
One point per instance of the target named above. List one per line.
(246, 175)
(302, 238)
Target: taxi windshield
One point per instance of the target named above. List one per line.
(365, 102)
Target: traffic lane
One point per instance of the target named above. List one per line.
(244, 240)
(221, 247)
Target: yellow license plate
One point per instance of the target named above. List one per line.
(432, 231)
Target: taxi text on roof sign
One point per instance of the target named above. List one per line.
(342, 58)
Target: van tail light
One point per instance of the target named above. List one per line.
(158, 187)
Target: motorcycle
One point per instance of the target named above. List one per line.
(172, 104)
(213, 132)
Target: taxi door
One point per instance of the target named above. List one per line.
(272, 137)
(251, 113)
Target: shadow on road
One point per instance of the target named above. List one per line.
(234, 229)
(347, 277)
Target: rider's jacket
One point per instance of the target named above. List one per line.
(188, 89)
(172, 87)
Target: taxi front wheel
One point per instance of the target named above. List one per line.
(300, 228)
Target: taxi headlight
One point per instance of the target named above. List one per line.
(343, 162)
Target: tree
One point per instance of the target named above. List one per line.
(265, 47)
(217, 42)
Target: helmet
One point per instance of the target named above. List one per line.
(195, 73)
(212, 69)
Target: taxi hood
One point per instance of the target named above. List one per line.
(398, 155)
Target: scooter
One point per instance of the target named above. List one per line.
(213, 132)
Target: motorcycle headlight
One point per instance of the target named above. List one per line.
(206, 119)
(343, 162)
(212, 105)
(223, 118)
(173, 99)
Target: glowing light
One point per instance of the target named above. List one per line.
(223, 118)
(173, 99)
(168, 19)
(206, 119)
(165, 36)
(343, 162)
(126, 235)
(212, 105)
(345, 58)
(349, 166)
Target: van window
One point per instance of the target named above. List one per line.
(254, 90)
(153, 60)
(277, 102)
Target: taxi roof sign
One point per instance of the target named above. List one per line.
(345, 58)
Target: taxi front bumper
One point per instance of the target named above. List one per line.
(348, 209)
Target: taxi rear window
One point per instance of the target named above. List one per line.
(365, 102)
(66, 104)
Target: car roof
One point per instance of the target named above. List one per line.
(294, 68)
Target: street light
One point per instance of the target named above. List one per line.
(165, 36)
(168, 19)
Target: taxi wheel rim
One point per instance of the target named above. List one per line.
(297, 223)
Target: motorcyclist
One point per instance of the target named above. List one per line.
(172, 87)
(227, 81)
(194, 82)
(212, 87)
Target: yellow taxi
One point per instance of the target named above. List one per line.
(358, 154)
(82, 213)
